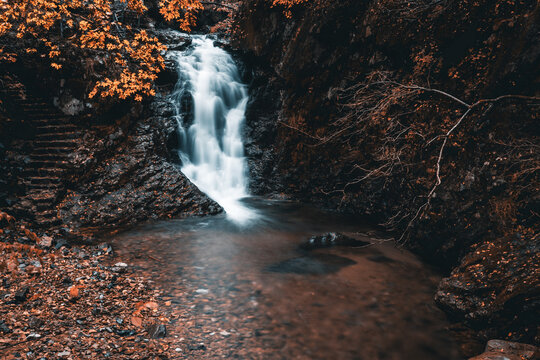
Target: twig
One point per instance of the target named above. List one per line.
(219, 4)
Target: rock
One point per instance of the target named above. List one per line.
(180, 45)
(124, 332)
(65, 353)
(105, 248)
(4, 328)
(35, 322)
(45, 241)
(119, 267)
(507, 350)
(21, 294)
(331, 239)
(199, 346)
(157, 331)
(61, 242)
(202, 291)
(116, 169)
(499, 292)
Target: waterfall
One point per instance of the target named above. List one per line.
(211, 147)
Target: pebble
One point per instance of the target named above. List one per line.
(202, 291)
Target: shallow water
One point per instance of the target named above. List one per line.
(249, 292)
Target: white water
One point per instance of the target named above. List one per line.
(211, 148)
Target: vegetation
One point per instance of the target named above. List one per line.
(105, 31)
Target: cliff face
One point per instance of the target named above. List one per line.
(395, 111)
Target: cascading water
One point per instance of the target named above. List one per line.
(211, 148)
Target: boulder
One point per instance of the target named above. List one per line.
(507, 350)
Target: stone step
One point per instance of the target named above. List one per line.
(47, 219)
(47, 223)
(43, 197)
(47, 214)
(53, 150)
(56, 129)
(36, 164)
(43, 187)
(36, 110)
(58, 135)
(44, 172)
(42, 206)
(45, 180)
(51, 121)
(56, 143)
(56, 157)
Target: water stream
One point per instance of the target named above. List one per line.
(211, 147)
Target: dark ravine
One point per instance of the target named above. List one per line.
(481, 227)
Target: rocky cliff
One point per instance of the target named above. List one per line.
(423, 116)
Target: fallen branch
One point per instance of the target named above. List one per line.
(219, 4)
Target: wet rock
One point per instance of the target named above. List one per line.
(143, 166)
(199, 346)
(506, 350)
(179, 44)
(157, 331)
(331, 239)
(35, 322)
(61, 242)
(21, 295)
(105, 248)
(63, 354)
(124, 332)
(4, 328)
(45, 241)
(489, 287)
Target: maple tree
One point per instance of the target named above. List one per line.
(102, 29)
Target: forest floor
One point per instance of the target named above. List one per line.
(79, 302)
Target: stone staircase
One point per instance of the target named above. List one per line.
(46, 172)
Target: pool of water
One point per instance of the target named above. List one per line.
(250, 292)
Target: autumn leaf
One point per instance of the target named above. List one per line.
(136, 321)
(151, 305)
(74, 292)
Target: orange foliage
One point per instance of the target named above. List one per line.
(182, 10)
(287, 5)
(132, 57)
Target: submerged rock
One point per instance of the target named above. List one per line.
(157, 331)
(315, 264)
(331, 239)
